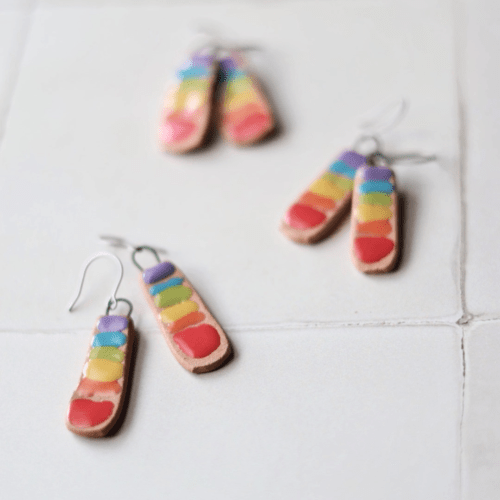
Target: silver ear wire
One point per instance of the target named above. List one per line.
(386, 117)
(363, 140)
(130, 307)
(140, 249)
(113, 299)
(119, 242)
(412, 158)
(378, 159)
(207, 37)
(223, 46)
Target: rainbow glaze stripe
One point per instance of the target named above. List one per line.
(195, 338)
(317, 211)
(188, 104)
(96, 403)
(246, 114)
(374, 225)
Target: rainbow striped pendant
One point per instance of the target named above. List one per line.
(188, 104)
(97, 403)
(192, 334)
(316, 213)
(246, 116)
(374, 221)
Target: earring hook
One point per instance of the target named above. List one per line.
(118, 242)
(378, 159)
(130, 307)
(386, 117)
(220, 44)
(363, 139)
(208, 37)
(140, 249)
(112, 303)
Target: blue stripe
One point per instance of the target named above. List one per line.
(115, 339)
(162, 286)
(339, 167)
(195, 72)
(233, 75)
(376, 187)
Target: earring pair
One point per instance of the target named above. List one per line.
(242, 112)
(193, 335)
(366, 185)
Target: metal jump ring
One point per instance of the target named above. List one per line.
(378, 159)
(365, 138)
(110, 305)
(140, 249)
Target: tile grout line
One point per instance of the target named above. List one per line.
(462, 411)
(466, 318)
(459, 26)
(474, 321)
(285, 326)
(273, 326)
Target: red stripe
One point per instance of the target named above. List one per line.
(304, 217)
(370, 250)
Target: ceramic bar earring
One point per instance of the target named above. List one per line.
(374, 219)
(97, 403)
(193, 335)
(317, 212)
(188, 105)
(245, 114)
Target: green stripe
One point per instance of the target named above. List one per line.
(172, 296)
(338, 180)
(107, 352)
(375, 199)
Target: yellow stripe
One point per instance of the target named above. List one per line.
(367, 213)
(190, 101)
(338, 180)
(103, 370)
(173, 313)
(238, 85)
(325, 188)
(198, 84)
(236, 101)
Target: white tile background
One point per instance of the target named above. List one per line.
(343, 386)
(360, 412)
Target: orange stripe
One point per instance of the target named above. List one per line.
(188, 320)
(243, 112)
(376, 227)
(317, 201)
(90, 387)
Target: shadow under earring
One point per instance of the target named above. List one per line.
(188, 105)
(98, 401)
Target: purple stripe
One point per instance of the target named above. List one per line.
(352, 159)
(112, 323)
(158, 272)
(202, 60)
(228, 64)
(377, 174)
